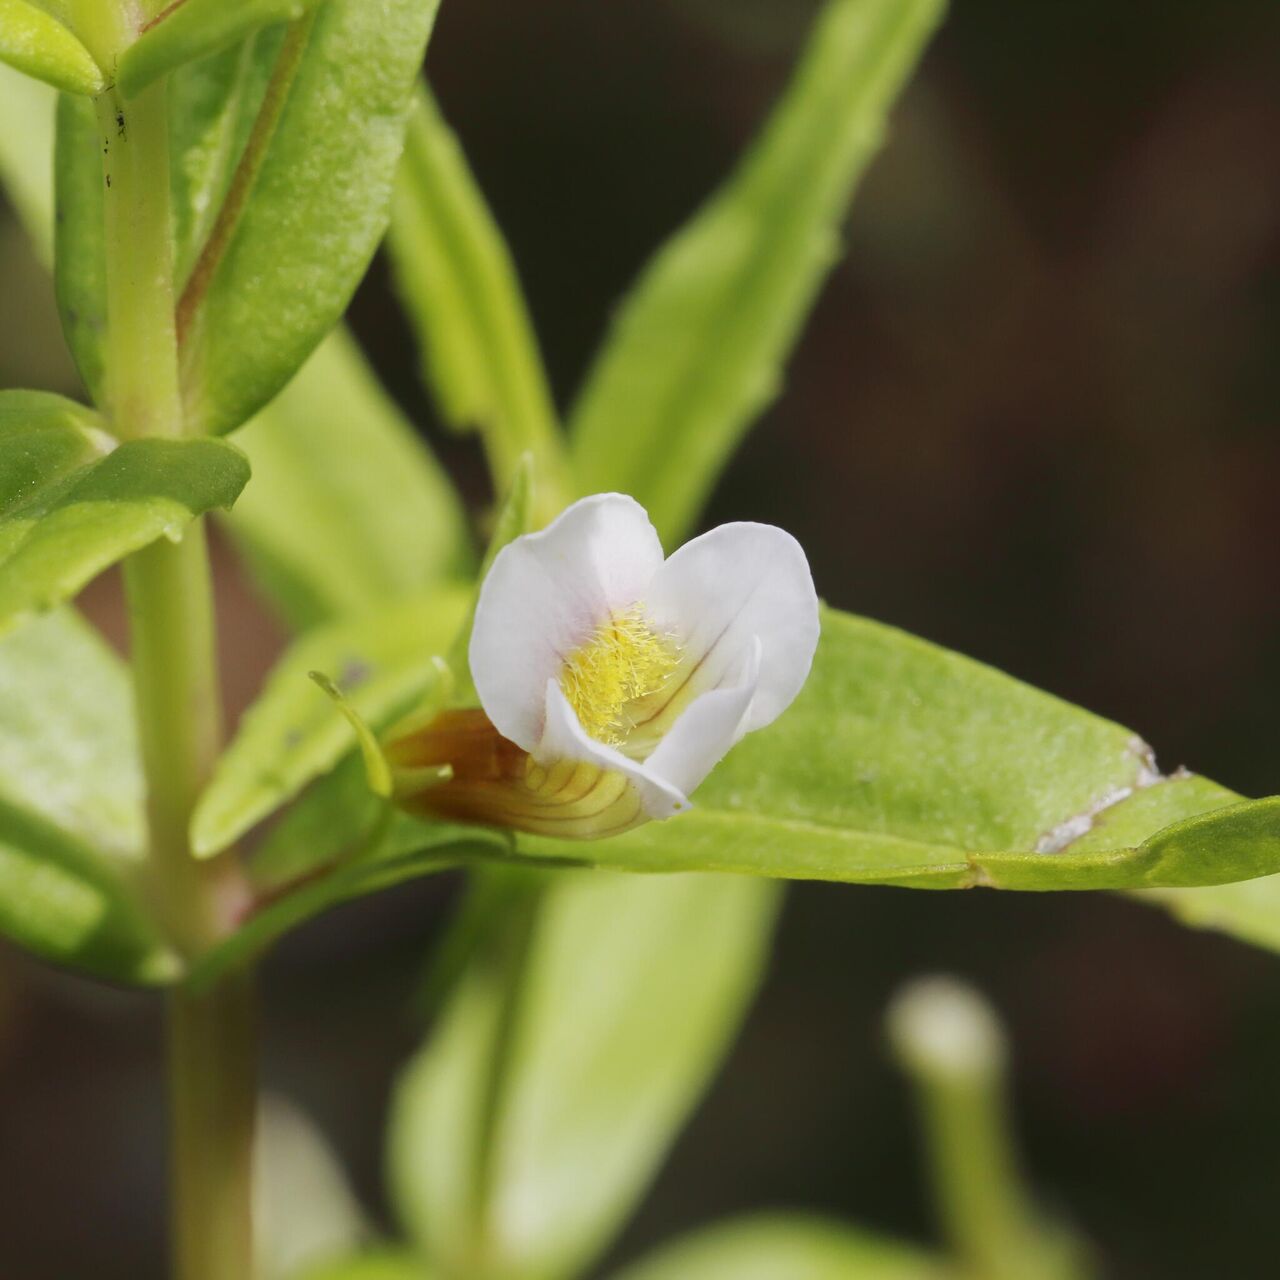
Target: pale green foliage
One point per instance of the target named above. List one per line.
(797, 1248)
(281, 269)
(37, 44)
(459, 285)
(71, 830)
(569, 1056)
(697, 347)
(72, 502)
(382, 663)
(194, 30)
(346, 509)
(26, 155)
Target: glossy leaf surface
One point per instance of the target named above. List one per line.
(71, 824)
(797, 1248)
(306, 209)
(193, 30)
(347, 509)
(902, 763)
(71, 504)
(532, 1122)
(459, 284)
(34, 42)
(382, 663)
(697, 348)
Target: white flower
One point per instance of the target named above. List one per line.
(617, 678)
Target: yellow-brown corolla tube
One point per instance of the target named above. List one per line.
(491, 780)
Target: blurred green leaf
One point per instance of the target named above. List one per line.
(305, 1211)
(26, 155)
(71, 505)
(37, 44)
(901, 763)
(306, 209)
(567, 1060)
(459, 285)
(195, 29)
(696, 350)
(773, 1247)
(390, 1264)
(383, 663)
(71, 819)
(80, 265)
(347, 509)
(1248, 910)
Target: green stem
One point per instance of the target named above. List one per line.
(169, 590)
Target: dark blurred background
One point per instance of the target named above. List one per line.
(1036, 418)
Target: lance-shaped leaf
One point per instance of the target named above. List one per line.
(696, 350)
(901, 763)
(37, 44)
(71, 821)
(71, 504)
(382, 662)
(26, 155)
(194, 29)
(770, 1247)
(565, 1063)
(459, 284)
(306, 208)
(347, 509)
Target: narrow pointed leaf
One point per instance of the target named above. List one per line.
(901, 763)
(382, 1264)
(37, 44)
(519, 1143)
(459, 284)
(382, 663)
(307, 207)
(71, 824)
(697, 348)
(195, 29)
(347, 509)
(771, 1247)
(71, 504)
(26, 156)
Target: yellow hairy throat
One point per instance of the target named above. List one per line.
(623, 662)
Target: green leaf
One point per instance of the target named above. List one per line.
(1248, 910)
(26, 155)
(71, 821)
(459, 285)
(797, 1248)
(71, 504)
(80, 264)
(307, 207)
(38, 45)
(696, 350)
(565, 1063)
(901, 763)
(383, 1265)
(305, 1211)
(195, 29)
(326, 537)
(382, 662)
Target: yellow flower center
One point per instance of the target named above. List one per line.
(603, 679)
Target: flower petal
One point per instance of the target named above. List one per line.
(565, 739)
(546, 594)
(706, 729)
(719, 592)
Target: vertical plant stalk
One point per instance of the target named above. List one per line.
(210, 1041)
(949, 1041)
